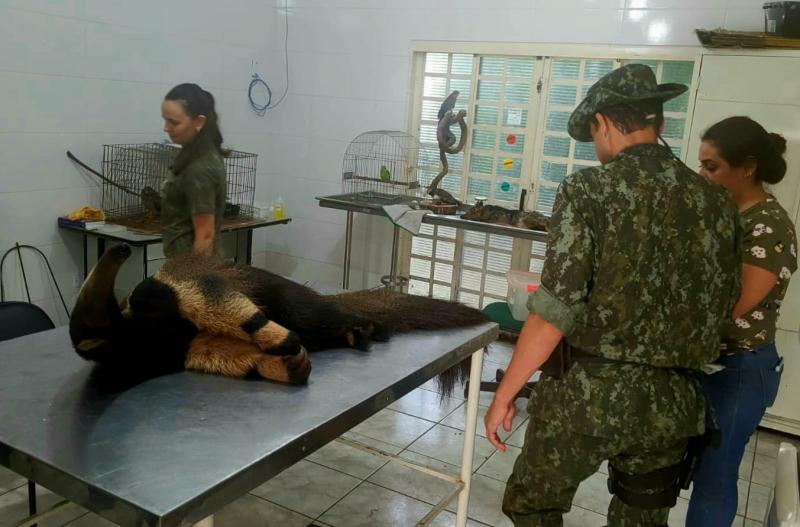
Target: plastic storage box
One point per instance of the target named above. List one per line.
(782, 19)
(520, 285)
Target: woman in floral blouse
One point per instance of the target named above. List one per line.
(740, 155)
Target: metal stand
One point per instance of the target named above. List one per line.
(348, 246)
(462, 483)
(392, 281)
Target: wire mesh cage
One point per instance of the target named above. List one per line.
(135, 172)
(381, 166)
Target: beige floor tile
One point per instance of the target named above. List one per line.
(764, 470)
(348, 459)
(307, 488)
(517, 439)
(91, 520)
(14, 508)
(413, 483)
(485, 501)
(445, 444)
(500, 464)
(373, 506)
(677, 515)
(426, 405)
(767, 443)
(374, 443)
(393, 427)
(252, 510)
(578, 517)
(758, 502)
(743, 488)
(10, 480)
(746, 466)
(686, 493)
(593, 494)
(750, 446)
(458, 418)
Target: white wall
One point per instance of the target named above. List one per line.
(76, 74)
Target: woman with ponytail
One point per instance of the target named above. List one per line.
(740, 155)
(193, 196)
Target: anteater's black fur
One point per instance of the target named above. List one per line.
(151, 338)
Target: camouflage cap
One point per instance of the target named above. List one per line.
(630, 83)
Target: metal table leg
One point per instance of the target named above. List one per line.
(85, 256)
(248, 257)
(101, 247)
(348, 246)
(32, 500)
(395, 243)
(469, 436)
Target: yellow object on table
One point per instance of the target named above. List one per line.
(87, 213)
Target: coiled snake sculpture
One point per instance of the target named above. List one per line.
(447, 145)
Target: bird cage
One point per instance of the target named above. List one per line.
(381, 166)
(134, 173)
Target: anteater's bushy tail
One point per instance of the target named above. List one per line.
(397, 313)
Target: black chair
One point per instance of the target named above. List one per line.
(16, 320)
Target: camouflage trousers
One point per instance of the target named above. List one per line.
(584, 419)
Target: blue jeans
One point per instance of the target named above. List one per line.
(739, 395)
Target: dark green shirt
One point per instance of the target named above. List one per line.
(769, 242)
(200, 188)
(643, 262)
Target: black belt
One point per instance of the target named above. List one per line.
(565, 355)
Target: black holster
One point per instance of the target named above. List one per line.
(694, 450)
(559, 362)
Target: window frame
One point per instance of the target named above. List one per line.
(522, 255)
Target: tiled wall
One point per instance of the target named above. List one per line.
(75, 74)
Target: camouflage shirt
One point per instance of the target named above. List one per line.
(200, 188)
(769, 242)
(642, 263)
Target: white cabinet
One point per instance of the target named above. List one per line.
(766, 87)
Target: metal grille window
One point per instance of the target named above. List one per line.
(485, 260)
(558, 154)
(500, 111)
(433, 254)
(518, 108)
(443, 73)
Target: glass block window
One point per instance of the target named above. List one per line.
(444, 72)
(499, 121)
(559, 154)
(433, 254)
(485, 259)
(496, 92)
(675, 111)
(517, 108)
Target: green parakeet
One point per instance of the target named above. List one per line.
(385, 174)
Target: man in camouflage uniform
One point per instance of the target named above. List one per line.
(641, 272)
